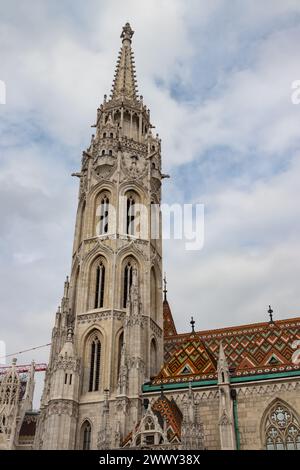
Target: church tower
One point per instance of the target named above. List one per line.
(108, 337)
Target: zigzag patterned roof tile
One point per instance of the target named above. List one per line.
(250, 349)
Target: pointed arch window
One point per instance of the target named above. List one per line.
(100, 285)
(149, 424)
(130, 215)
(95, 357)
(127, 283)
(282, 428)
(121, 342)
(104, 206)
(153, 358)
(153, 293)
(81, 224)
(86, 435)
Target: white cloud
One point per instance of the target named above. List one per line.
(215, 77)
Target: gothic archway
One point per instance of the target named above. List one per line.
(86, 435)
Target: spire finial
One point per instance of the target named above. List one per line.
(66, 287)
(124, 82)
(127, 33)
(192, 322)
(270, 312)
(222, 355)
(165, 288)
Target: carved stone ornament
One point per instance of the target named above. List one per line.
(98, 316)
(134, 166)
(104, 166)
(63, 407)
(224, 420)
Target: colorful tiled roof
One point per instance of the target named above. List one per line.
(169, 325)
(169, 410)
(250, 349)
(191, 357)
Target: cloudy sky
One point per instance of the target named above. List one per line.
(217, 77)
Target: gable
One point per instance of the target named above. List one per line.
(191, 358)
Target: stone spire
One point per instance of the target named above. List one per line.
(192, 428)
(169, 324)
(124, 83)
(226, 417)
(223, 369)
(104, 435)
(123, 372)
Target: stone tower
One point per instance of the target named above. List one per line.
(107, 339)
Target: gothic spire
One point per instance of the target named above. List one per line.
(223, 369)
(222, 356)
(124, 83)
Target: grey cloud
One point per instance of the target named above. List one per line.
(58, 61)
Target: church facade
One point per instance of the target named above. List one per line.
(119, 374)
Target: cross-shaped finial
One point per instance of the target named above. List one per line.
(192, 322)
(270, 312)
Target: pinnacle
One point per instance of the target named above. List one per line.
(124, 81)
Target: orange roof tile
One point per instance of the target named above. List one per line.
(253, 348)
